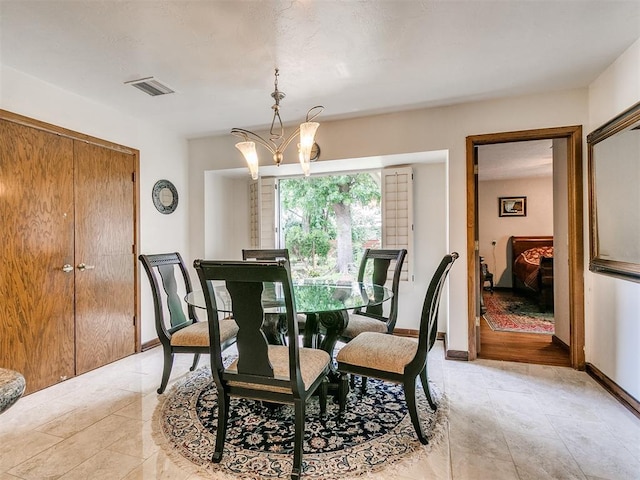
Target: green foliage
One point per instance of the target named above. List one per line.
(307, 244)
(309, 222)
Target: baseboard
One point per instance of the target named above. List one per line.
(150, 344)
(555, 340)
(459, 355)
(405, 332)
(614, 389)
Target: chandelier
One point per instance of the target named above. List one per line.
(277, 143)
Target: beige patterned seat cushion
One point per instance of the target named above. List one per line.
(313, 363)
(380, 351)
(361, 323)
(197, 334)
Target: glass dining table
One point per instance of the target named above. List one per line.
(326, 306)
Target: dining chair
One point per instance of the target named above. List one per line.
(177, 332)
(287, 374)
(400, 359)
(374, 268)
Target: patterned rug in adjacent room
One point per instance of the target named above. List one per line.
(509, 312)
(375, 434)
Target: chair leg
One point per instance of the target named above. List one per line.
(223, 419)
(324, 389)
(166, 370)
(343, 391)
(425, 386)
(299, 406)
(410, 396)
(363, 387)
(196, 359)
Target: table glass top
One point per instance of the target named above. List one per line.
(309, 297)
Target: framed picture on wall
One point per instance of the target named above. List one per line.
(512, 206)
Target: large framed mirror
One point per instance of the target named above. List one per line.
(614, 196)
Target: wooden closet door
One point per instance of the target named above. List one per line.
(37, 222)
(105, 287)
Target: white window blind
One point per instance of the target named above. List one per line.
(254, 222)
(266, 212)
(397, 214)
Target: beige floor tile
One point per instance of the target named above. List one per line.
(476, 432)
(159, 467)
(18, 448)
(105, 465)
(6, 476)
(436, 465)
(469, 466)
(71, 452)
(520, 412)
(142, 408)
(596, 450)
(139, 444)
(552, 459)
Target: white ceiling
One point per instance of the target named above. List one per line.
(500, 161)
(353, 57)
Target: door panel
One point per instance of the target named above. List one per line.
(105, 288)
(36, 207)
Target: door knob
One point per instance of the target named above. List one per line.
(82, 267)
(66, 268)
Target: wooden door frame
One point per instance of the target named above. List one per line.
(573, 135)
(48, 127)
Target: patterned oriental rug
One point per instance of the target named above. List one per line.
(375, 434)
(509, 312)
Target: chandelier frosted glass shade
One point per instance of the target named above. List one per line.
(248, 150)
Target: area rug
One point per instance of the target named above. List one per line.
(509, 312)
(375, 433)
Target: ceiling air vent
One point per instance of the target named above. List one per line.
(150, 86)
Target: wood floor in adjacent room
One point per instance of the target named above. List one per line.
(521, 347)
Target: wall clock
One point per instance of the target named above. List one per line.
(165, 196)
(315, 152)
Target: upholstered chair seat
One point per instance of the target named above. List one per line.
(313, 362)
(385, 352)
(197, 334)
(359, 324)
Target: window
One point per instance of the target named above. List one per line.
(326, 222)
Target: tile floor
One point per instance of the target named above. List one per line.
(507, 421)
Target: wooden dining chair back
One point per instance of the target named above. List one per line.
(266, 254)
(177, 330)
(374, 268)
(273, 373)
(400, 359)
(276, 331)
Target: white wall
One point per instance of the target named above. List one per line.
(561, 304)
(420, 130)
(612, 306)
(538, 221)
(162, 155)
